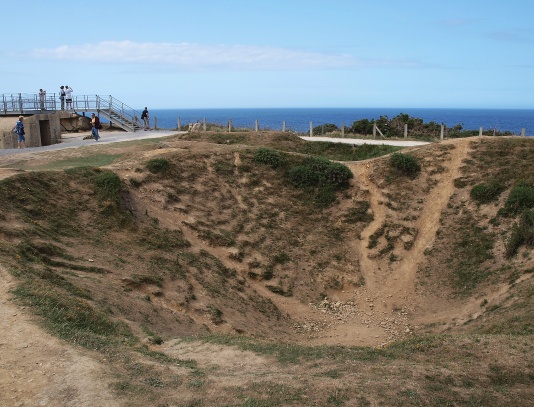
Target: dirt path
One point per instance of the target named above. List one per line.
(385, 306)
(401, 284)
(37, 369)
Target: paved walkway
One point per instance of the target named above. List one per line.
(73, 140)
(399, 143)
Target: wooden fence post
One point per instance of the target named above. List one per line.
(405, 130)
(229, 125)
(442, 132)
(311, 129)
(205, 127)
(284, 126)
(374, 130)
(155, 123)
(179, 125)
(257, 125)
(342, 129)
(523, 132)
(480, 131)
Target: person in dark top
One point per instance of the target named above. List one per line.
(145, 116)
(62, 95)
(19, 129)
(95, 125)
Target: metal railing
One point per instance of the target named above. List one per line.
(19, 103)
(110, 107)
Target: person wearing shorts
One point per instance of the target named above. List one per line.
(19, 129)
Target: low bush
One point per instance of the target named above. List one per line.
(522, 233)
(405, 163)
(325, 129)
(316, 172)
(108, 186)
(521, 197)
(158, 165)
(485, 193)
(269, 157)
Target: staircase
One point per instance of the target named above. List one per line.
(110, 108)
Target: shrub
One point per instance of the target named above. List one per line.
(484, 193)
(108, 186)
(325, 197)
(320, 172)
(325, 128)
(269, 157)
(521, 197)
(363, 126)
(303, 176)
(158, 165)
(405, 163)
(522, 233)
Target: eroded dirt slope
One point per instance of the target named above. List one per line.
(332, 282)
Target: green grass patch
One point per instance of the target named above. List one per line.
(97, 160)
(269, 156)
(486, 192)
(158, 165)
(474, 247)
(344, 151)
(522, 233)
(108, 186)
(71, 318)
(521, 197)
(287, 353)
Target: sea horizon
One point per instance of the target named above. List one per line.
(299, 118)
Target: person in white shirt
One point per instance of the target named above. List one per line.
(68, 97)
(42, 98)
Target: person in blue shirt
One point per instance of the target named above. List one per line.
(19, 129)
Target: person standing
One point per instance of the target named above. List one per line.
(42, 98)
(68, 97)
(62, 96)
(146, 119)
(19, 129)
(95, 124)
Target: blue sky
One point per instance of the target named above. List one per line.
(291, 53)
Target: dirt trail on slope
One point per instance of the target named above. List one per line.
(401, 284)
(387, 302)
(37, 369)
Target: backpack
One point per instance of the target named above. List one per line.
(19, 128)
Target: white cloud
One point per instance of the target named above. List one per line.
(187, 56)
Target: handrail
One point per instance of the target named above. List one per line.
(112, 108)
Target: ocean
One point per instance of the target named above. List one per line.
(298, 119)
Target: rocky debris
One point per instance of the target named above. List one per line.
(395, 324)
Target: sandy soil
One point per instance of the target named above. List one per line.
(37, 369)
